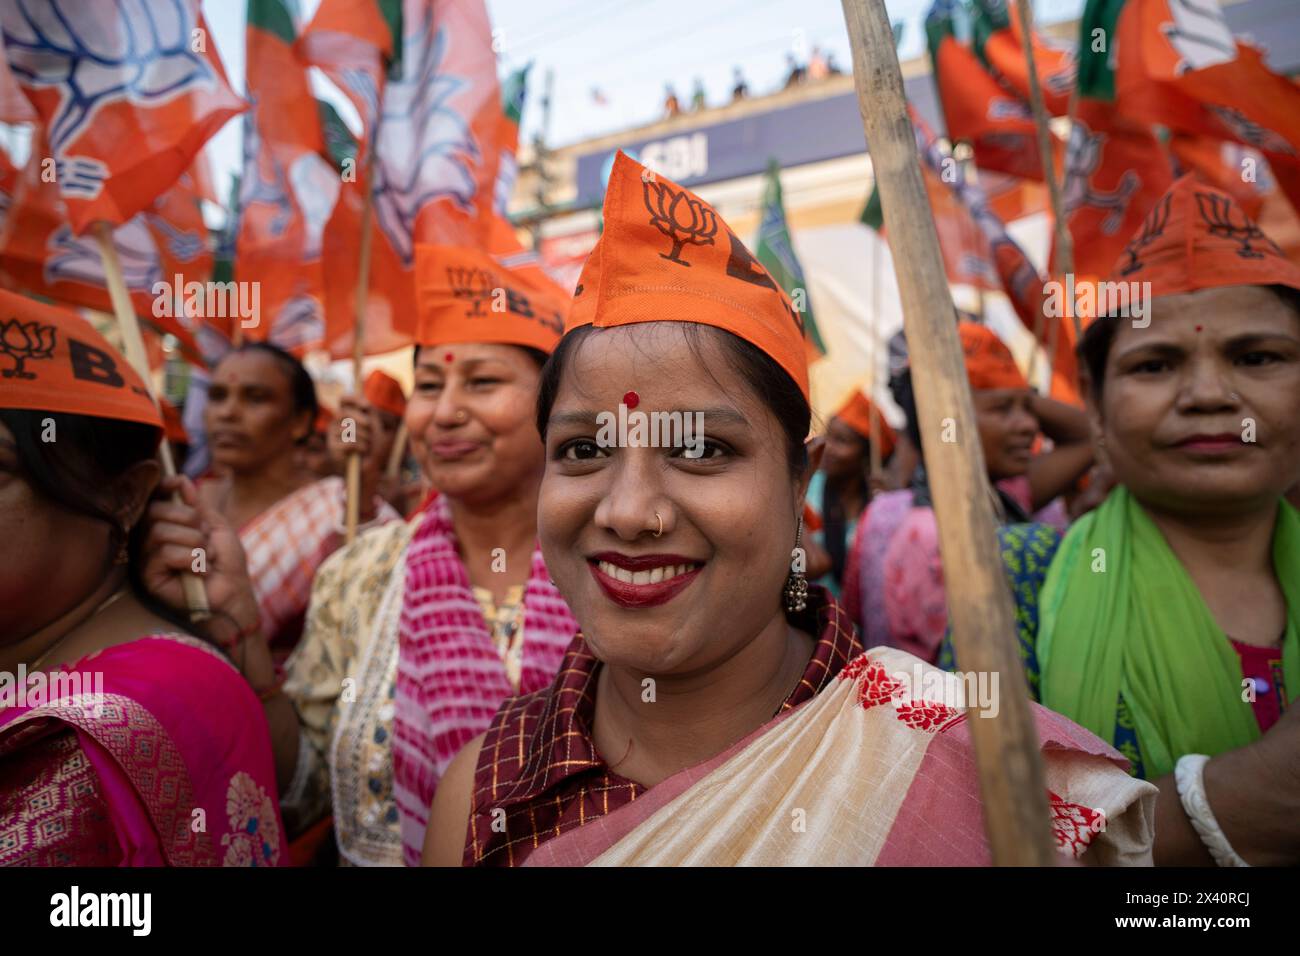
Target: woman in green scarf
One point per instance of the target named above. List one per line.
(1169, 621)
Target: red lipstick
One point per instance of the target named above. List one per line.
(630, 595)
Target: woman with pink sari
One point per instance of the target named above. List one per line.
(715, 708)
(418, 630)
(124, 739)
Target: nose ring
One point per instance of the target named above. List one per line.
(461, 415)
(660, 532)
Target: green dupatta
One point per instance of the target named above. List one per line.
(1140, 628)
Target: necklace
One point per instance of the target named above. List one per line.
(103, 605)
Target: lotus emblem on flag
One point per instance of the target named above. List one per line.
(1217, 213)
(682, 218)
(22, 341)
(473, 284)
(425, 147)
(72, 258)
(1082, 158)
(95, 54)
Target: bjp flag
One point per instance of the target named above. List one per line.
(999, 42)
(358, 45)
(976, 107)
(41, 255)
(288, 189)
(1238, 170)
(432, 176)
(1179, 65)
(128, 92)
(1115, 170)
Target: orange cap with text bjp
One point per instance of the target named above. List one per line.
(385, 393)
(856, 413)
(464, 295)
(52, 360)
(667, 256)
(989, 363)
(1198, 237)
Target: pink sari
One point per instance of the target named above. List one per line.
(450, 678)
(161, 757)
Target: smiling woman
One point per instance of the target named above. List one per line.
(714, 708)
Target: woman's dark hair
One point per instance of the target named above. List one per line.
(900, 386)
(768, 380)
(537, 355)
(75, 471)
(1094, 346)
(302, 390)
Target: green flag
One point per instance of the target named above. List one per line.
(775, 251)
(873, 215)
(513, 91)
(1098, 28)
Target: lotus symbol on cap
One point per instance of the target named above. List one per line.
(1217, 213)
(24, 340)
(1153, 227)
(679, 216)
(473, 284)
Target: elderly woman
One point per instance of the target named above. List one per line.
(126, 728)
(715, 708)
(1170, 617)
(419, 630)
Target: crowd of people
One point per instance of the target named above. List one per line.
(559, 650)
(819, 66)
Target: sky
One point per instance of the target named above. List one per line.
(629, 50)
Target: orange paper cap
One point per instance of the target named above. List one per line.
(856, 413)
(52, 360)
(385, 393)
(464, 295)
(989, 363)
(667, 256)
(1197, 237)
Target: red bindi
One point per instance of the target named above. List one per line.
(448, 357)
(631, 399)
(1198, 328)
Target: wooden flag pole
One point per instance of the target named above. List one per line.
(874, 359)
(1016, 813)
(358, 348)
(1064, 243)
(398, 454)
(196, 596)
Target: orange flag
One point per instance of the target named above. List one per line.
(434, 170)
(999, 40)
(992, 117)
(127, 93)
(1115, 170)
(41, 255)
(1225, 164)
(288, 189)
(1179, 65)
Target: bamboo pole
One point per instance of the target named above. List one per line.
(196, 597)
(398, 454)
(1016, 812)
(874, 359)
(1064, 259)
(353, 514)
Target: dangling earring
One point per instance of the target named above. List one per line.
(123, 552)
(796, 585)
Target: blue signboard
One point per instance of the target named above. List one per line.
(805, 132)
